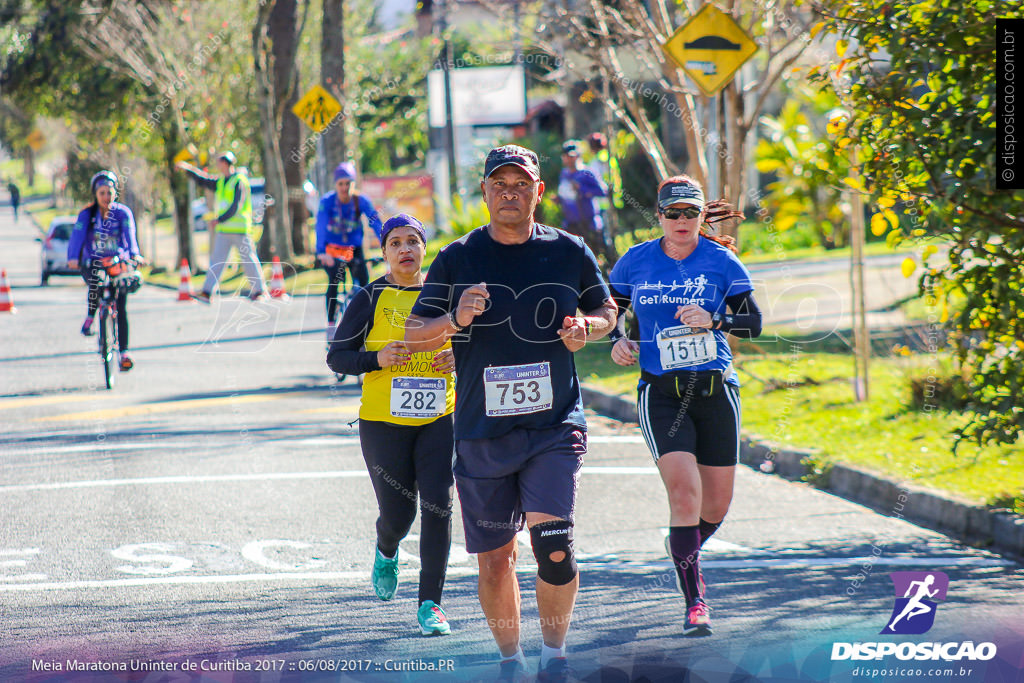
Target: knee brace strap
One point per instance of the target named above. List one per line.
(548, 538)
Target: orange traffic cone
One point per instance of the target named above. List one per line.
(184, 289)
(6, 300)
(277, 281)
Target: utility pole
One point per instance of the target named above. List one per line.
(449, 126)
(862, 341)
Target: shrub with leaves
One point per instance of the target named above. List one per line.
(921, 88)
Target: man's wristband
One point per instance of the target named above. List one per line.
(588, 326)
(454, 322)
(615, 335)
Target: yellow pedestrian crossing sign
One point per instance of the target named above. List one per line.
(710, 48)
(317, 108)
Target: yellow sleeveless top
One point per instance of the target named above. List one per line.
(409, 394)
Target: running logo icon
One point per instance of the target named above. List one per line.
(916, 596)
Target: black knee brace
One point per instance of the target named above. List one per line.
(551, 537)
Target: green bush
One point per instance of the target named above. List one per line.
(467, 215)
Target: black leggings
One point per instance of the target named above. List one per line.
(91, 273)
(360, 276)
(404, 460)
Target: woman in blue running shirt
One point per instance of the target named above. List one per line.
(687, 290)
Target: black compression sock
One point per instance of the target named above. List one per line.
(707, 530)
(684, 541)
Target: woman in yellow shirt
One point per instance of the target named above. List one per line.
(405, 419)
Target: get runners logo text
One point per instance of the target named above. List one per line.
(917, 598)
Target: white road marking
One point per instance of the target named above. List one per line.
(796, 562)
(314, 441)
(362, 575)
(265, 476)
(717, 545)
(99, 446)
(254, 553)
(197, 479)
(612, 469)
(19, 563)
(129, 553)
(327, 441)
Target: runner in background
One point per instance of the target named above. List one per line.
(339, 236)
(605, 168)
(578, 191)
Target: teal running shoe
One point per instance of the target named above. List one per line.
(433, 621)
(385, 575)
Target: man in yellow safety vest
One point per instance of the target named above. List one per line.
(231, 223)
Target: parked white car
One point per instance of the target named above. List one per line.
(54, 260)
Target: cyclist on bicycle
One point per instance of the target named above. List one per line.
(104, 229)
(339, 236)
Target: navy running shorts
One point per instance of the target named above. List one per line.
(526, 470)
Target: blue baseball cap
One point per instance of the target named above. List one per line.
(402, 220)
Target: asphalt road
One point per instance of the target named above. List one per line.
(212, 511)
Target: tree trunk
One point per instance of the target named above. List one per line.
(284, 36)
(173, 132)
(276, 221)
(332, 78)
(734, 188)
(30, 168)
(294, 173)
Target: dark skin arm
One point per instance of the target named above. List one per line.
(426, 334)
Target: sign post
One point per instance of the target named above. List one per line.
(710, 48)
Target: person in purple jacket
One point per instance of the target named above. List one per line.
(578, 188)
(104, 228)
(339, 236)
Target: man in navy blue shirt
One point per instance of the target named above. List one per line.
(509, 296)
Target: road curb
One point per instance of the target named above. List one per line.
(995, 530)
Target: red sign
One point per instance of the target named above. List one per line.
(392, 195)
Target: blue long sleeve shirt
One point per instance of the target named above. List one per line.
(110, 236)
(588, 187)
(336, 223)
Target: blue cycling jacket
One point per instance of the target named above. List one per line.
(112, 236)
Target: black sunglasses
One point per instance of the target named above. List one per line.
(687, 212)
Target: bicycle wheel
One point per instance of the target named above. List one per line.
(108, 341)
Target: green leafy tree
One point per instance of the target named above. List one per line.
(921, 91)
(806, 162)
